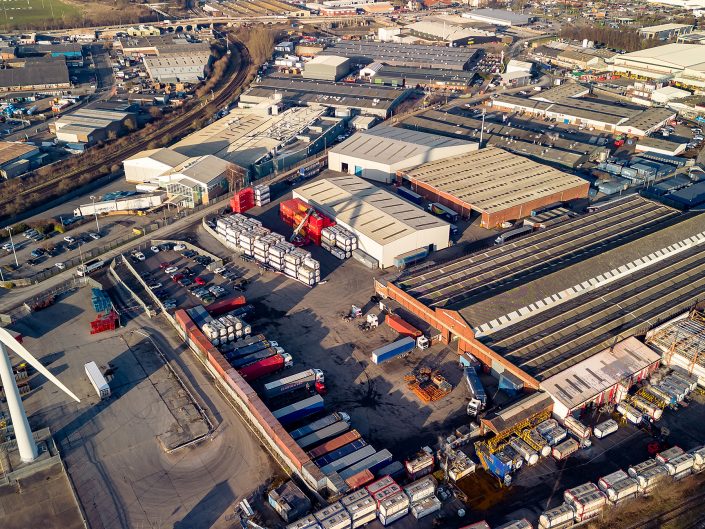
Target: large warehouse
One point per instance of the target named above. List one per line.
(378, 154)
(501, 186)
(551, 299)
(661, 63)
(386, 225)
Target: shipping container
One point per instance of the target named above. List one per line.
(425, 506)
(444, 212)
(421, 488)
(517, 524)
(340, 520)
(323, 434)
(622, 490)
(570, 495)
(409, 195)
(394, 469)
(328, 511)
(224, 306)
(388, 520)
(251, 358)
(387, 352)
(359, 504)
(264, 367)
(387, 492)
(649, 479)
(565, 449)
(360, 479)
(334, 444)
(307, 522)
(293, 382)
(381, 483)
(299, 410)
(371, 463)
(605, 482)
(680, 465)
(639, 468)
(97, 380)
(592, 501)
(394, 504)
(630, 413)
(319, 424)
(402, 327)
(340, 452)
(668, 454)
(557, 517)
(649, 409)
(605, 428)
(348, 460)
(420, 465)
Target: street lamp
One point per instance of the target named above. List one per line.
(97, 226)
(9, 230)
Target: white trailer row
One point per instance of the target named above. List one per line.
(247, 236)
(142, 201)
(588, 500)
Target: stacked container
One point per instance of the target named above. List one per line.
(668, 454)
(225, 329)
(262, 195)
(589, 505)
(421, 496)
(680, 466)
(639, 468)
(327, 512)
(361, 506)
(294, 211)
(243, 200)
(560, 516)
(299, 264)
(338, 241)
(277, 252)
(393, 508)
(650, 478)
(263, 244)
(425, 507)
(551, 432)
(307, 522)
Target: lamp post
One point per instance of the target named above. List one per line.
(97, 226)
(9, 230)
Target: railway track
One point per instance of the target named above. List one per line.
(688, 507)
(172, 127)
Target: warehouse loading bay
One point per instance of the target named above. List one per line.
(308, 324)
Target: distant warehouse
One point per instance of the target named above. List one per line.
(386, 225)
(413, 55)
(178, 68)
(498, 17)
(408, 77)
(378, 154)
(499, 185)
(34, 73)
(326, 67)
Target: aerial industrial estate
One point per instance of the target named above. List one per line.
(354, 263)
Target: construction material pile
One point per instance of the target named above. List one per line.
(338, 241)
(427, 385)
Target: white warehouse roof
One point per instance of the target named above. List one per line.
(677, 56)
(374, 212)
(501, 16)
(587, 379)
(393, 145)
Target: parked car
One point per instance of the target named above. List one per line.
(177, 277)
(165, 247)
(220, 270)
(94, 236)
(139, 256)
(165, 264)
(199, 280)
(179, 247)
(171, 269)
(185, 282)
(155, 286)
(69, 239)
(60, 266)
(169, 303)
(188, 253)
(155, 249)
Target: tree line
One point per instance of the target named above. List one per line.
(620, 39)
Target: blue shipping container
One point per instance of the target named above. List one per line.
(299, 410)
(410, 195)
(340, 452)
(372, 463)
(382, 354)
(252, 358)
(349, 460)
(475, 385)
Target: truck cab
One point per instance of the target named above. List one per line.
(288, 360)
(474, 407)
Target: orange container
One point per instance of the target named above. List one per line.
(401, 326)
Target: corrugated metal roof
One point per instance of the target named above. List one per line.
(585, 380)
(202, 169)
(374, 212)
(10, 150)
(392, 145)
(492, 179)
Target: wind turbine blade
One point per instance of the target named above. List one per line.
(10, 341)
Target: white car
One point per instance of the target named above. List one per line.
(94, 236)
(155, 286)
(60, 266)
(171, 269)
(219, 270)
(179, 247)
(69, 239)
(139, 256)
(155, 249)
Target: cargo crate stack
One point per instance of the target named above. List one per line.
(225, 329)
(262, 195)
(294, 211)
(276, 254)
(234, 226)
(107, 319)
(338, 241)
(243, 200)
(298, 264)
(262, 245)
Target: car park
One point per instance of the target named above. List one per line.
(188, 253)
(171, 269)
(139, 256)
(177, 277)
(169, 304)
(165, 247)
(220, 270)
(155, 286)
(185, 282)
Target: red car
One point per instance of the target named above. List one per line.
(199, 281)
(177, 277)
(165, 264)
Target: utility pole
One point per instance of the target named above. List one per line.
(9, 230)
(482, 130)
(97, 226)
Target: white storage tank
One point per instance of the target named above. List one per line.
(648, 408)
(668, 454)
(523, 449)
(565, 449)
(426, 506)
(605, 482)
(570, 495)
(650, 478)
(699, 459)
(593, 501)
(628, 411)
(577, 428)
(680, 466)
(622, 490)
(557, 517)
(605, 428)
(637, 469)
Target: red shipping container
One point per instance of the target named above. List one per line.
(243, 200)
(334, 444)
(262, 368)
(226, 305)
(401, 326)
(360, 479)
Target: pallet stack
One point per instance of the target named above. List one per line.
(277, 252)
(262, 245)
(299, 264)
(262, 195)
